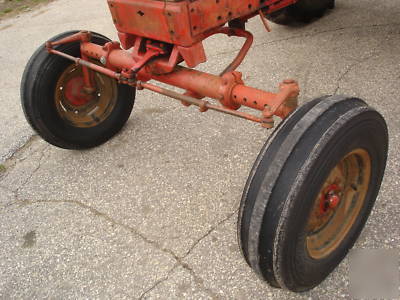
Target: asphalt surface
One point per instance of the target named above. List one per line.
(152, 213)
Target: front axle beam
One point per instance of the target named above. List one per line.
(228, 88)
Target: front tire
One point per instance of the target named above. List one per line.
(60, 112)
(311, 191)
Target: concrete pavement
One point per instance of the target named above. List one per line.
(152, 213)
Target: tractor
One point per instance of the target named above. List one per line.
(315, 181)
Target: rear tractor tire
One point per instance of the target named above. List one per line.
(304, 11)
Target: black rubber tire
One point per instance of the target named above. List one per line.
(286, 178)
(304, 11)
(37, 98)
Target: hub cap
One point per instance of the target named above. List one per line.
(338, 203)
(78, 107)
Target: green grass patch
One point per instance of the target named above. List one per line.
(10, 8)
(7, 10)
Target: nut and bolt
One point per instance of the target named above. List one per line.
(103, 60)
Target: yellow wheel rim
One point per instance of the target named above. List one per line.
(338, 203)
(83, 110)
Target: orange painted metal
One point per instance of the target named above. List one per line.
(164, 21)
(193, 55)
(83, 36)
(228, 89)
(202, 104)
(197, 82)
(87, 64)
(243, 51)
(184, 22)
(158, 35)
(264, 20)
(75, 94)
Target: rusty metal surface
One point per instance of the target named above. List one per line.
(243, 51)
(229, 89)
(90, 65)
(168, 22)
(144, 24)
(202, 104)
(79, 108)
(338, 203)
(183, 23)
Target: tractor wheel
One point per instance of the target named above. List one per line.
(304, 11)
(59, 110)
(311, 191)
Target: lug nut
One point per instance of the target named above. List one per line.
(333, 201)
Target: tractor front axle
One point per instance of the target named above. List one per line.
(152, 60)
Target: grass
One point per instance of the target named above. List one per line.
(10, 8)
(2, 168)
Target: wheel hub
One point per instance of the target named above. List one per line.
(338, 203)
(333, 201)
(330, 199)
(79, 106)
(75, 92)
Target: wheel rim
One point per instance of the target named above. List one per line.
(338, 203)
(79, 108)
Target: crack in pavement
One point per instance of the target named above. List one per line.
(33, 172)
(158, 282)
(14, 160)
(349, 69)
(199, 281)
(178, 259)
(100, 214)
(211, 230)
(312, 34)
(11, 162)
(15, 151)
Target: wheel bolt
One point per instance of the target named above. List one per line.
(333, 201)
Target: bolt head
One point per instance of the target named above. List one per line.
(334, 201)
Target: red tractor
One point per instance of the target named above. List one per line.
(314, 182)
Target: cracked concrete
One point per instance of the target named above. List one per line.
(152, 213)
(6, 196)
(83, 253)
(348, 70)
(180, 285)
